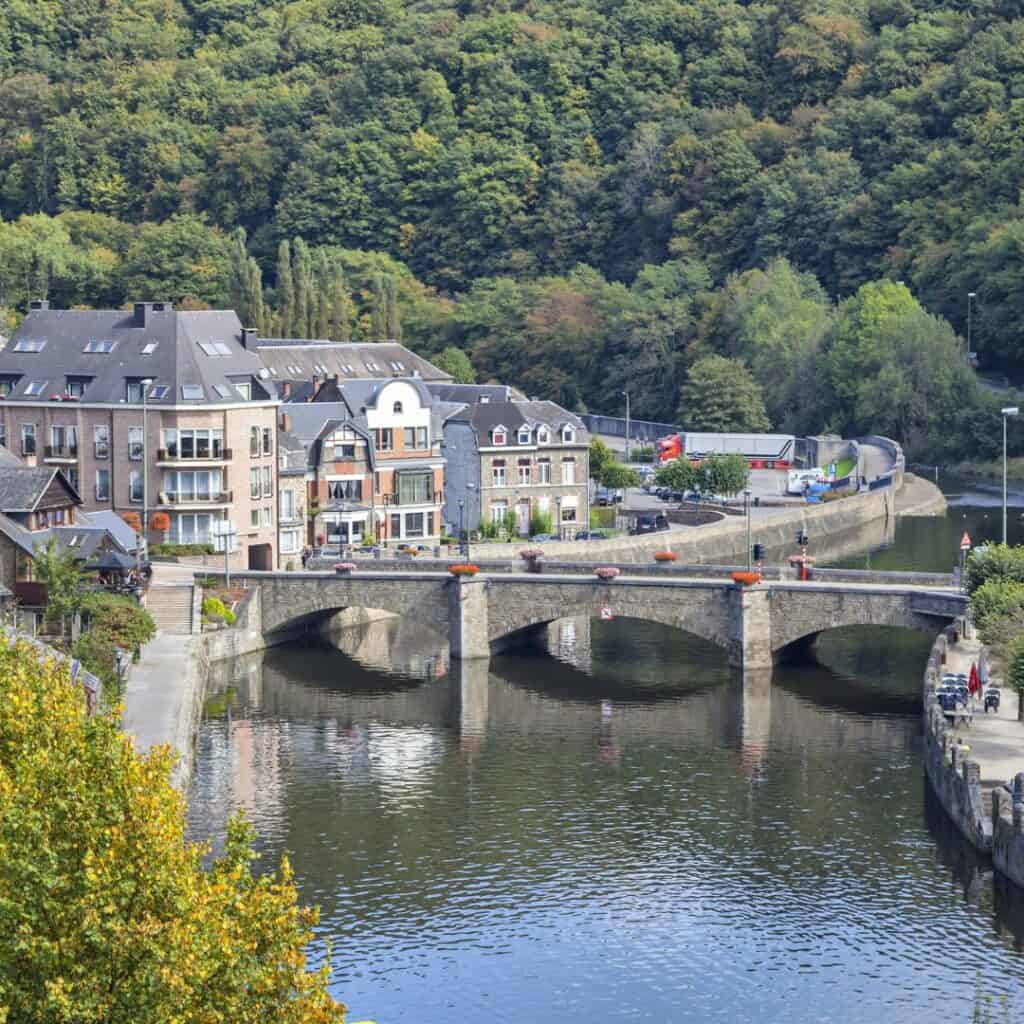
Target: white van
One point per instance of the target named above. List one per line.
(798, 479)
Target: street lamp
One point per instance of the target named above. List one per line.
(462, 532)
(558, 513)
(971, 296)
(746, 508)
(146, 384)
(1010, 410)
(626, 393)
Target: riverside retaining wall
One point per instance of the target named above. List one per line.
(1008, 830)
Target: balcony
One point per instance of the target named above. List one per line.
(430, 498)
(177, 500)
(174, 456)
(61, 453)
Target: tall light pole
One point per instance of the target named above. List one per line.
(146, 384)
(626, 393)
(971, 296)
(746, 507)
(1010, 410)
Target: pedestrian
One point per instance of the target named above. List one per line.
(305, 556)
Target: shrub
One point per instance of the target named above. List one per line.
(171, 550)
(128, 625)
(994, 562)
(97, 652)
(994, 599)
(540, 522)
(215, 610)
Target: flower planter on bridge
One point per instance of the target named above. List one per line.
(532, 558)
(665, 556)
(746, 579)
(606, 572)
(345, 568)
(463, 570)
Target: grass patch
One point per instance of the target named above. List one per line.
(602, 518)
(845, 467)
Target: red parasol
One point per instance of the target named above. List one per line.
(973, 684)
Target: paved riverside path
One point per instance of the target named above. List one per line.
(996, 741)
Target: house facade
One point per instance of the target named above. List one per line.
(374, 465)
(516, 461)
(151, 410)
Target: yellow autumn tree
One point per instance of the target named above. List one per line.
(107, 914)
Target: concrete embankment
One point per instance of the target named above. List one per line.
(968, 765)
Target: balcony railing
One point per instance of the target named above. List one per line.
(213, 498)
(430, 498)
(61, 451)
(216, 455)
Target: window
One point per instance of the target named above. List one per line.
(254, 517)
(498, 472)
(268, 481)
(414, 524)
(568, 513)
(192, 392)
(543, 435)
(415, 438)
(158, 391)
(28, 345)
(396, 526)
(499, 435)
(215, 348)
(254, 441)
(345, 490)
(103, 485)
(64, 440)
(199, 443)
(372, 366)
(397, 408)
(415, 488)
(267, 443)
(71, 472)
(133, 391)
(194, 485)
(524, 435)
(525, 474)
(135, 443)
(543, 471)
(268, 516)
(75, 386)
(135, 485)
(289, 542)
(382, 440)
(101, 442)
(286, 504)
(149, 348)
(244, 388)
(568, 471)
(3, 436)
(223, 390)
(499, 510)
(99, 345)
(377, 484)
(568, 434)
(35, 387)
(28, 439)
(254, 482)
(7, 385)
(191, 528)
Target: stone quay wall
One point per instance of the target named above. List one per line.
(955, 778)
(1008, 830)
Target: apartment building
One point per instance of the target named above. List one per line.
(152, 409)
(506, 456)
(374, 463)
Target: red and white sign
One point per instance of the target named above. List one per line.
(965, 542)
(606, 613)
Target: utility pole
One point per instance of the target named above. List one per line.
(626, 393)
(1010, 410)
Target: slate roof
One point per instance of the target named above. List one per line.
(178, 358)
(291, 454)
(124, 536)
(23, 486)
(8, 460)
(485, 416)
(298, 360)
(471, 393)
(17, 533)
(85, 541)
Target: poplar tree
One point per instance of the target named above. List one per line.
(302, 275)
(392, 319)
(378, 311)
(341, 307)
(285, 290)
(324, 299)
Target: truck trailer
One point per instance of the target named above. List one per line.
(762, 451)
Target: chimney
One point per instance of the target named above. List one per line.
(145, 310)
(248, 337)
(40, 304)
(286, 422)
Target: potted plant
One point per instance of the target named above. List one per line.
(665, 556)
(532, 557)
(606, 572)
(463, 569)
(746, 579)
(345, 568)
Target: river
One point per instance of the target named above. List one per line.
(614, 828)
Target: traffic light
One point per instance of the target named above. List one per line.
(758, 552)
(801, 538)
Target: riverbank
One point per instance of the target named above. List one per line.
(988, 471)
(976, 770)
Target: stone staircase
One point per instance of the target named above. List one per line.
(171, 606)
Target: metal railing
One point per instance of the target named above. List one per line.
(213, 498)
(217, 455)
(61, 451)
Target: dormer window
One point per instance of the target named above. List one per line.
(499, 435)
(543, 435)
(7, 385)
(397, 408)
(524, 435)
(74, 387)
(568, 434)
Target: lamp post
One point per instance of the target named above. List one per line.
(746, 508)
(462, 533)
(1010, 410)
(626, 393)
(558, 514)
(971, 296)
(145, 469)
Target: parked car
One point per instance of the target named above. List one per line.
(610, 496)
(648, 522)
(540, 538)
(591, 535)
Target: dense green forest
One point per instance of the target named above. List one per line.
(582, 196)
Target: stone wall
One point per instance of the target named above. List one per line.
(1008, 830)
(955, 777)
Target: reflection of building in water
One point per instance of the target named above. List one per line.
(394, 644)
(569, 641)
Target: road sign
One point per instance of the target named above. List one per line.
(606, 613)
(965, 542)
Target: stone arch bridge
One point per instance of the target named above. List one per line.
(489, 613)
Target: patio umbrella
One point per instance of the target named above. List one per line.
(972, 682)
(111, 561)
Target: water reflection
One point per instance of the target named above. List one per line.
(617, 827)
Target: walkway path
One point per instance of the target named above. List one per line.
(996, 740)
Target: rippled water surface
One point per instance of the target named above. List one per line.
(613, 829)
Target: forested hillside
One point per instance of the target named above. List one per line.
(583, 195)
